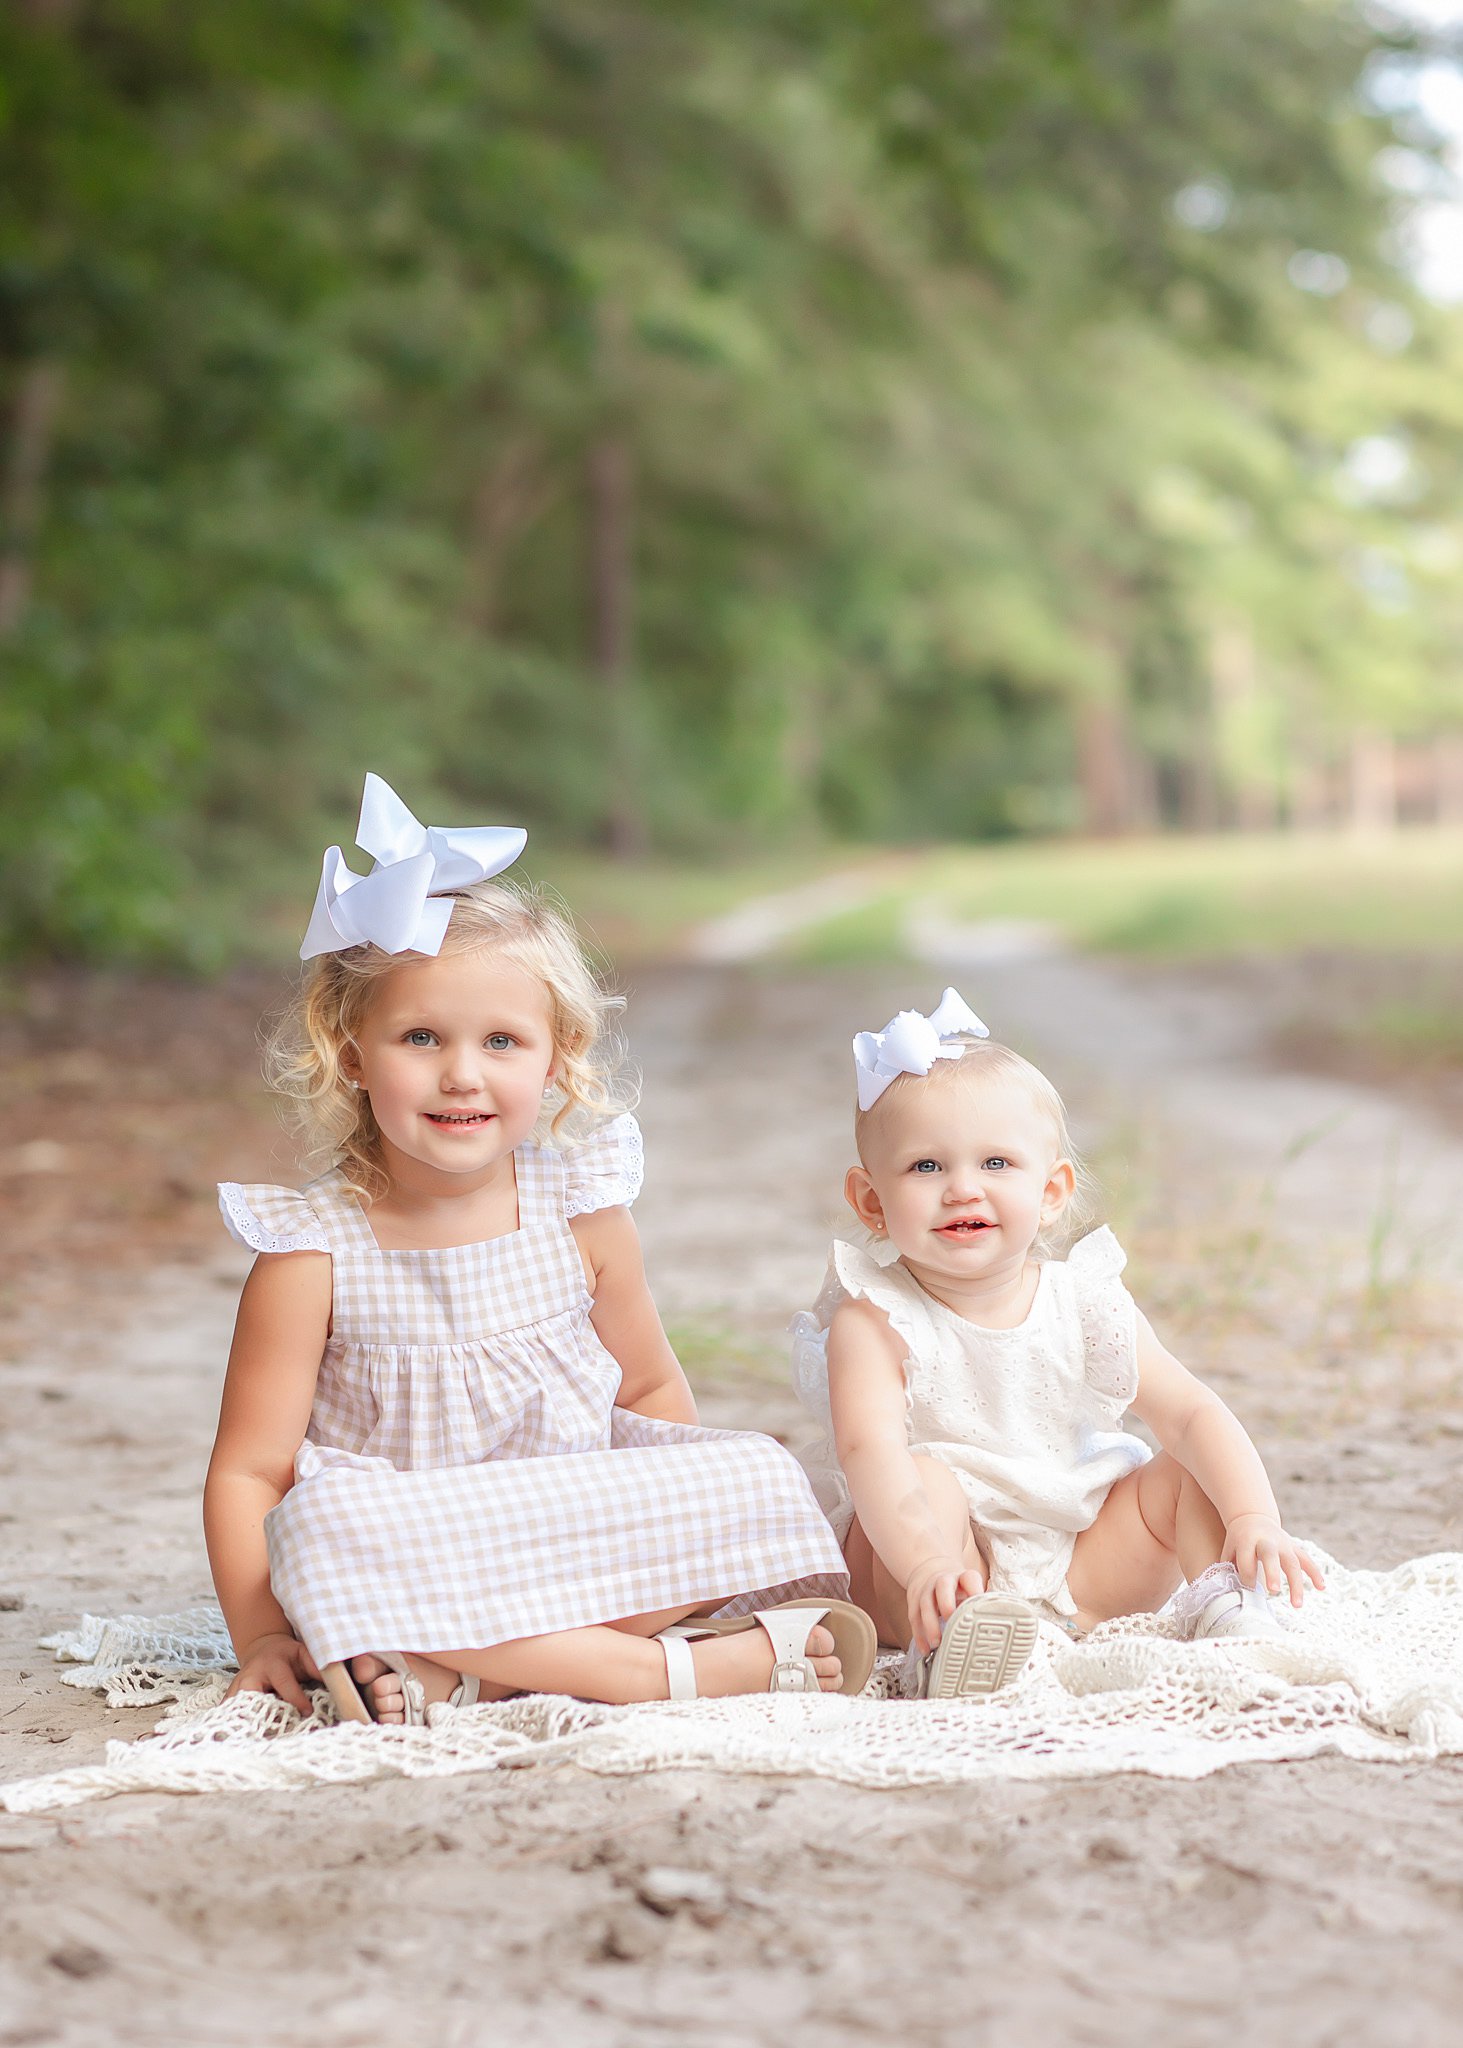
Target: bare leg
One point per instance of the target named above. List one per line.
(652, 1624)
(612, 1662)
(874, 1587)
(1155, 1527)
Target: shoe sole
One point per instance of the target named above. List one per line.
(987, 1641)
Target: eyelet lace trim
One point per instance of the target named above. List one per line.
(854, 1272)
(1107, 1315)
(607, 1171)
(244, 1226)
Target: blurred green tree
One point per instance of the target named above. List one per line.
(664, 421)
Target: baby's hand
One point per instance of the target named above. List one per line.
(276, 1664)
(935, 1590)
(1257, 1543)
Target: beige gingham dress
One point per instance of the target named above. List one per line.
(467, 1478)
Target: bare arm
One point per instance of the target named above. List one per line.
(626, 1320)
(866, 1393)
(1207, 1439)
(284, 1316)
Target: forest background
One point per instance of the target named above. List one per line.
(686, 428)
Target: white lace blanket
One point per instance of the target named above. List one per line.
(1372, 1669)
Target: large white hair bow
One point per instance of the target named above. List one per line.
(399, 906)
(911, 1043)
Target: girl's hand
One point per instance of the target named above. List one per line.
(276, 1664)
(1257, 1543)
(935, 1591)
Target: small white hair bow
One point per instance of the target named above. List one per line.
(399, 906)
(910, 1044)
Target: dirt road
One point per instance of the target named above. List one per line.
(1293, 1238)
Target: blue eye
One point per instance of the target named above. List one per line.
(925, 1166)
(994, 1165)
(501, 1041)
(421, 1038)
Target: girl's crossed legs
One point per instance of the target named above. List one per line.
(1155, 1527)
(612, 1661)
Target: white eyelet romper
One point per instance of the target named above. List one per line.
(467, 1478)
(1029, 1420)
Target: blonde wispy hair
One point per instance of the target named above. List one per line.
(302, 1057)
(990, 1059)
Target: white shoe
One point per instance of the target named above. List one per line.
(1237, 1611)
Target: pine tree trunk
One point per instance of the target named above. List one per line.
(1373, 781)
(22, 474)
(611, 528)
(1448, 778)
(1105, 770)
(512, 494)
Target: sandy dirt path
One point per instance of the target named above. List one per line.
(1293, 1238)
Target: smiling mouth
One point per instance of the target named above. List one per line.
(465, 1120)
(967, 1228)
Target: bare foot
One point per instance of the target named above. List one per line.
(743, 1663)
(388, 1700)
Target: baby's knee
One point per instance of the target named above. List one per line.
(1160, 1483)
(940, 1483)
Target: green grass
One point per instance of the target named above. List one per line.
(1423, 1030)
(1183, 898)
(626, 910)
(1268, 892)
(714, 1355)
(1161, 898)
(872, 932)
(647, 908)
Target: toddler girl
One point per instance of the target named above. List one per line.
(973, 1387)
(456, 1451)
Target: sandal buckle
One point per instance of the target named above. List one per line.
(791, 1675)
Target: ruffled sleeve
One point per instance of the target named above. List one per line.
(1107, 1313)
(864, 1276)
(810, 1350)
(269, 1219)
(859, 1275)
(606, 1170)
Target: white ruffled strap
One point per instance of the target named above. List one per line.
(873, 1272)
(607, 1171)
(270, 1219)
(1107, 1315)
(1097, 1256)
(862, 1275)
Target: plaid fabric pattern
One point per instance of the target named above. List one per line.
(467, 1479)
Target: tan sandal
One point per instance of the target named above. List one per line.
(787, 1626)
(354, 1703)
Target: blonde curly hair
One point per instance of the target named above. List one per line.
(303, 1049)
